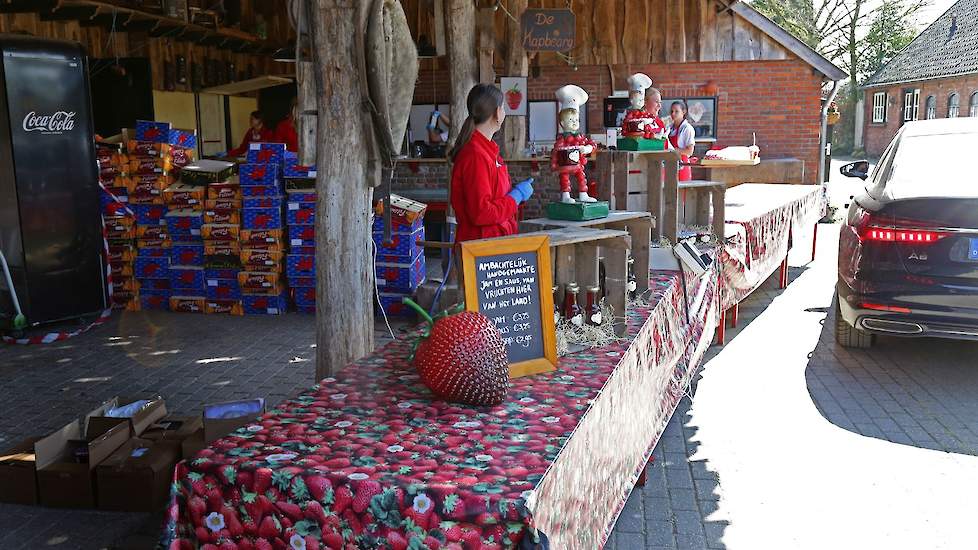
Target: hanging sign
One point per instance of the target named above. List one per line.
(548, 30)
(509, 281)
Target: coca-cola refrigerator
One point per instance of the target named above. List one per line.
(50, 224)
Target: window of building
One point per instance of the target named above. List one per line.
(953, 106)
(931, 108)
(879, 107)
(973, 107)
(911, 104)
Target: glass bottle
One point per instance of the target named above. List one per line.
(573, 311)
(557, 303)
(593, 309)
(632, 281)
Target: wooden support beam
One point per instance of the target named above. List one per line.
(485, 26)
(27, 6)
(460, 39)
(517, 64)
(69, 13)
(141, 25)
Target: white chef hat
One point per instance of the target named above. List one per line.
(638, 82)
(571, 97)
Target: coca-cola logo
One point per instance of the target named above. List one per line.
(56, 123)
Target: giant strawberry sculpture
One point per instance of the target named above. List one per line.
(461, 357)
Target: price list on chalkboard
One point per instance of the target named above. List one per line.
(508, 287)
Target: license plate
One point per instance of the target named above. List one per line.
(973, 250)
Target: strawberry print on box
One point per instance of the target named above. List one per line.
(304, 296)
(393, 304)
(401, 276)
(295, 170)
(400, 244)
(150, 300)
(264, 305)
(221, 273)
(274, 201)
(154, 284)
(223, 289)
(297, 213)
(302, 251)
(184, 279)
(258, 174)
(151, 131)
(152, 267)
(266, 153)
(186, 139)
(302, 233)
(184, 223)
(149, 214)
(300, 266)
(260, 191)
(187, 254)
(261, 218)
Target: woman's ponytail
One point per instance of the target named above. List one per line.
(482, 103)
(464, 135)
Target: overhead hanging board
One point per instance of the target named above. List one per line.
(250, 85)
(509, 281)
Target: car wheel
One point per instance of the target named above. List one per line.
(849, 336)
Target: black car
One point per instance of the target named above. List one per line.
(908, 253)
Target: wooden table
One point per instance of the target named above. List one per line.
(575, 256)
(639, 226)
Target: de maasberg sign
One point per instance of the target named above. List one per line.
(548, 30)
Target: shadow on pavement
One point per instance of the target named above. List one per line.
(921, 392)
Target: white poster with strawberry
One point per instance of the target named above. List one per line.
(514, 91)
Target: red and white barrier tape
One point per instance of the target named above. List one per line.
(52, 337)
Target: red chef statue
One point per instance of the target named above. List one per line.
(571, 148)
(638, 122)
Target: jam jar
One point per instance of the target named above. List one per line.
(573, 311)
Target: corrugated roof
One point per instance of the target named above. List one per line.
(949, 47)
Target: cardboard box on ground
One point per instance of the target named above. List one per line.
(116, 463)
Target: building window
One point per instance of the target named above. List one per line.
(911, 104)
(973, 107)
(879, 107)
(953, 106)
(931, 108)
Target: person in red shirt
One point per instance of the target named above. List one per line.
(285, 131)
(484, 200)
(257, 133)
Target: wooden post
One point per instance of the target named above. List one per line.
(460, 33)
(514, 127)
(485, 26)
(653, 179)
(670, 195)
(307, 118)
(345, 279)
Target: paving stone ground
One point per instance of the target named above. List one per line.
(920, 393)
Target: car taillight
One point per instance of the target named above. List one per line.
(870, 228)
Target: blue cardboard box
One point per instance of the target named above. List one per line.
(156, 300)
(298, 213)
(149, 214)
(306, 308)
(302, 251)
(393, 305)
(151, 267)
(154, 284)
(152, 131)
(404, 245)
(304, 296)
(403, 277)
(261, 191)
(223, 289)
(258, 174)
(272, 201)
(261, 218)
(302, 282)
(184, 223)
(300, 266)
(182, 138)
(187, 280)
(187, 254)
(266, 153)
(302, 233)
(221, 273)
(265, 305)
(295, 170)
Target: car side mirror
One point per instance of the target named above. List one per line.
(858, 169)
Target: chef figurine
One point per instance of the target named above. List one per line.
(571, 148)
(638, 122)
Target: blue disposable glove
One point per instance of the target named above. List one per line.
(522, 191)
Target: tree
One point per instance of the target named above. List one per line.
(890, 30)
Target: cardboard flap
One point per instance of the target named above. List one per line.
(157, 457)
(50, 449)
(104, 445)
(21, 454)
(98, 424)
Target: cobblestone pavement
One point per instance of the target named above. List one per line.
(703, 491)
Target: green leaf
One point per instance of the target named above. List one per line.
(451, 501)
(328, 497)
(230, 473)
(503, 506)
(299, 490)
(248, 497)
(515, 528)
(282, 479)
(195, 476)
(306, 527)
(417, 543)
(404, 470)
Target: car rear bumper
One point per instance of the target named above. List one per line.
(919, 322)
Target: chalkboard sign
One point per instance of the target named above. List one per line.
(548, 30)
(509, 281)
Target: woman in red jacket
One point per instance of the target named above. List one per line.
(286, 133)
(256, 133)
(484, 200)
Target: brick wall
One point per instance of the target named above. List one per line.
(877, 136)
(777, 100)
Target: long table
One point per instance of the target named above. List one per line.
(369, 459)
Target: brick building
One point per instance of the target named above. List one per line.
(935, 76)
(762, 81)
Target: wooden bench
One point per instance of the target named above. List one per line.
(705, 192)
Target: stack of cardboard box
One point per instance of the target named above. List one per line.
(300, 217)
(400, 261)
(262, 255)
(222, 221)
(119, 223)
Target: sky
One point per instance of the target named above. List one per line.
(932, 12)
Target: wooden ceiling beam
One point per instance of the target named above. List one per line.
(27, 6)
(70, 13)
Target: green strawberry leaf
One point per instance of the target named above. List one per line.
(230, 473)
(515, 528)
(410, 527)
(306, 527)
(248, 497)
(451, 501)
(503, 506)
(282, 479)
(404, 470)
(328, 497)
(300, 492)
(417, 543)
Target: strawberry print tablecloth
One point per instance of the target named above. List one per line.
(761, 221)
(370, 460)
